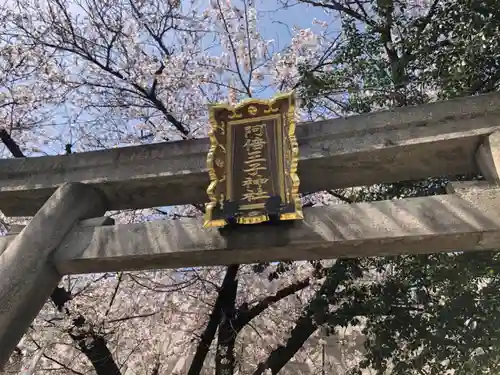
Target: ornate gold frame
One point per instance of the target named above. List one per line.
(214, 145)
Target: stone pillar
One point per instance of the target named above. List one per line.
(27, 278)
(488, 158)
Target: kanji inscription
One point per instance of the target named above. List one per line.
(252, 162)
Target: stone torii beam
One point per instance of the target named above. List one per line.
(52, 244)
(406, 143)
(467, 219)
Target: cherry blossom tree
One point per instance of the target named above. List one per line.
(124, 72)
(129, 72)
(83, 75)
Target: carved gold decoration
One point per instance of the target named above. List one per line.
(221, 201)
(221, 128)
(234, 114)
(214, 178)
(294, 161)
(252, 219)
(217, 158)
(270, 109)
(252, 110)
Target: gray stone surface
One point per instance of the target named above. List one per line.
(92, 222)
(401, 144)
(26, 277)
(16, 228)
(5, 241)
(466, 221)
(488, 158)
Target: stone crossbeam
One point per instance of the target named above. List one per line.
(406, 143)
(466, 220)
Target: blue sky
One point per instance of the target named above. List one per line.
(274, 22)
(276, 19)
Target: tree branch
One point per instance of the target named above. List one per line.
(82, 51)
(424, 21)
(246, 315)
(233, 49)
(340, 196)
(133, 317)
(303, 329)
(115, 292)
(213, 322)
(157, 366)
(11, 145)
(62, 365)
(334, 5)
(155, 36)
(307, 324)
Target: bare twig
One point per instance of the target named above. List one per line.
(115, 292)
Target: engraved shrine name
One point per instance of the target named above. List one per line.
(255, 164)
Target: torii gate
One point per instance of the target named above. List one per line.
(69, 194)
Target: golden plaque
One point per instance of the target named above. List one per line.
(252, 162)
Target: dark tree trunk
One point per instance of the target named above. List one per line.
(224, 357)
(213, 322)
(303, 329)
(94, 347)
(10, 144)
